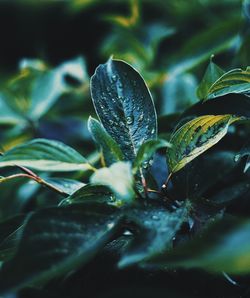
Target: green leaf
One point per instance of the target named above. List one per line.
(10, 233)
(37, 88)
(45, 155)
(194, 182)
(234, 81)
(109, 148)
(58, 240)
(195, 137)
(124, 105)
(91, 193)
(119, 178)
(68, 186)
(147, 150)
(154, 230)
(8, 115)
(224, 246)
(212, 74)
(229, 194)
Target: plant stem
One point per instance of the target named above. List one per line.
(165, 184)
(34, 177)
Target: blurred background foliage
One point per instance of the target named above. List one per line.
(49, 50)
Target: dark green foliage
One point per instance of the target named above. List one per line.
(140, 207)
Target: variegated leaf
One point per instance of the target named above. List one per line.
(195, 137)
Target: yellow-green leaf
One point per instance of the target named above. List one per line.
(195, 137)
(234, 81)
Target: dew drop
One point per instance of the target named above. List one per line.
(152, 131)
(155, 217)
(127, 233)
(237, 157)
(130, 120)
(114, 78)
(141, 117)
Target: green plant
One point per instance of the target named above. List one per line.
(127, 206)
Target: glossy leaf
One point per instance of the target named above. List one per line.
(234, 81)
(147, 151)
(57, 240)
(91, 193)
(68, 186)
(118, 177)
(212, 74)
(124, 105)
(224, 246)
(45, 155)
(155, 228)
(109, 148)
(195, 137)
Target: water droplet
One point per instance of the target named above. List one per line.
(130, 120)
(120, 85)
(120, 97)
(237, 157)
(112, 198)
(110, 225)
(155, 217)
(114, 78)
(141, 117)
(152, 131)
(127, 233)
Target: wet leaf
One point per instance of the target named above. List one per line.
(155, 228)
(195, 137)
(91, 193)
(57, 240)
(124, 105)
(224, 246)
(68, 186)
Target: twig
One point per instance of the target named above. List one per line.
(35, 178)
